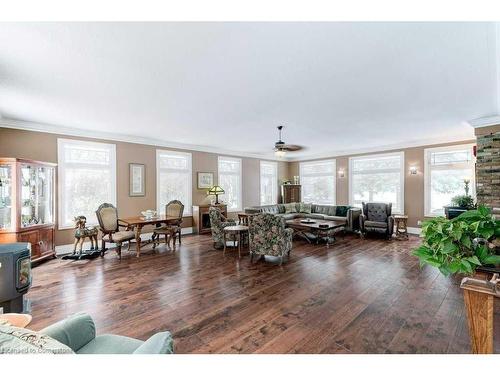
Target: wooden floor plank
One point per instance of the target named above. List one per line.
(358, 296)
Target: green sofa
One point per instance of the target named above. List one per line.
(347, 214)
(78, 333)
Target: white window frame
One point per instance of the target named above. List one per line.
(61, 175)
(188, 205)
(240, 193)
(334, 175)
(275, 177)
(402, 168)
(428, 169)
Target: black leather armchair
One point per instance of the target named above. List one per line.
(377, 217)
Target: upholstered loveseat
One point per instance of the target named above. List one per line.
(350, 215)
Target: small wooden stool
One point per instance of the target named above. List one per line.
(401, 222)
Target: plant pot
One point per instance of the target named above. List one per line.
(453, 211)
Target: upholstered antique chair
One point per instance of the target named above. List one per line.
(175, 209)
(268, 236)
(377, 217)
(218, 222)
(107, 215)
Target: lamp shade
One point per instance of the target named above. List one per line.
(215, 190)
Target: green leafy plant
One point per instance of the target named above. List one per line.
(448, 244)
(463, 201)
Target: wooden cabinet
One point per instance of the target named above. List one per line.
(290, 193)
(27, 205)
(201, 219)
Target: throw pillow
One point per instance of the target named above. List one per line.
(305, 208)
(290, 208)
(14, 340)
(342, 211)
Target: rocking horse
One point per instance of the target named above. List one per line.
(81, 233)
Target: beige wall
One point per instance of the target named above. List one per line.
(414, 184)
(43, 147)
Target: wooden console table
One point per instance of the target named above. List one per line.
(479, 298)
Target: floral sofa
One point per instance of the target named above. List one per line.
(314, 211)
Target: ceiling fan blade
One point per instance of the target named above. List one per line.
(292, 147)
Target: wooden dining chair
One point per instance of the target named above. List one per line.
(109, 224)
(172, 230)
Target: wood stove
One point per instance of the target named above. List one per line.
(15, 276)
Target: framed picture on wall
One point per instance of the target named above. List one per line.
(137, 180)
(205, 180)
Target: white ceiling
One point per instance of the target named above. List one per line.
(337, 87)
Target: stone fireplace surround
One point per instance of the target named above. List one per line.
(488, 167)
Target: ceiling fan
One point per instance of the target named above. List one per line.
(281, 148)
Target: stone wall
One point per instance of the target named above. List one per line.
(488, 166)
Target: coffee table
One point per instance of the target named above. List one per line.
(327, 232)
(235, 230)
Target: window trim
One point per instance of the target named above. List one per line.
(61, 142)
(402, 175)
(301, 175)
(188, 206)
(428, 169)
(275, 192)
(240, 198)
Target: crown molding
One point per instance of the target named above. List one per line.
(483, 122)
(388, 148)
(100, 135)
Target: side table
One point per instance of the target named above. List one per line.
(16, 320)
(401, 222)
(235, 231)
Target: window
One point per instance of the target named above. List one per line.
(377, 178)
(87, 178)
(230, 181)
(173, 179)
(446, 168)
(318, 181)
(268, 182)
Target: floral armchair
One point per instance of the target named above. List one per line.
(268, 236)
(218, 222)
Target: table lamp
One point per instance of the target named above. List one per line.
(215, 190)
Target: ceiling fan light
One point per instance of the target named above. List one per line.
(280, 153)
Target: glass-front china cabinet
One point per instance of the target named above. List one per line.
(27, 205)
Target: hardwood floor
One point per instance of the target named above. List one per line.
(358, 296)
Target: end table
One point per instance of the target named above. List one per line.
(16, 320)
(401, 222)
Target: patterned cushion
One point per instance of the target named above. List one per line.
(290, 208)
(342, 210)
(305, 208)
(14, 340)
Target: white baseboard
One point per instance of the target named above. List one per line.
(67, 249)
(414, 230)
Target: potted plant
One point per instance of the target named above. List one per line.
(460, 203)
(453, 246)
